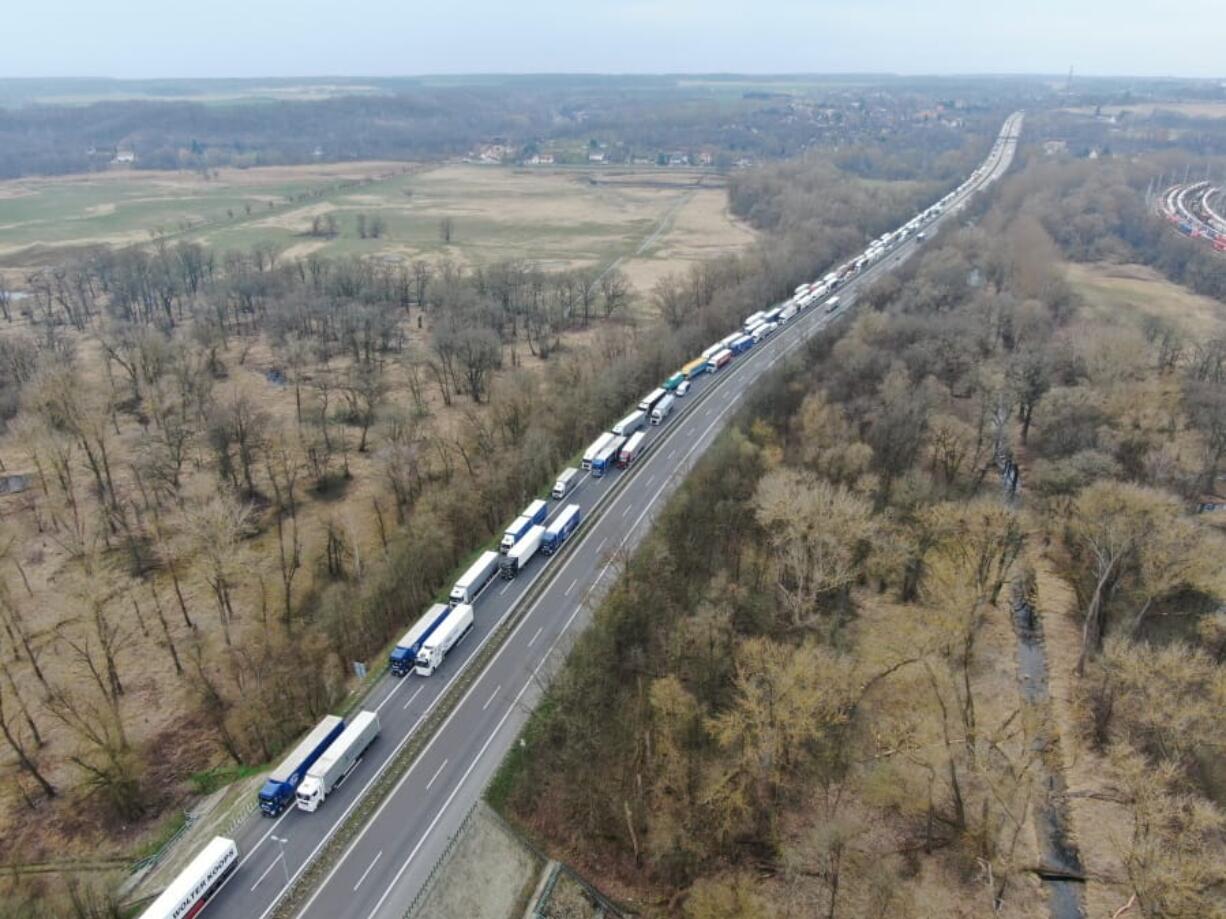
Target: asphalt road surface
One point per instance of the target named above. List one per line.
(385, 866)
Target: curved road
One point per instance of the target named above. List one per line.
(386, 864)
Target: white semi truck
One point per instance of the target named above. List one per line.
(196, 884)
(337, 761)
(522, 552)
(459, 622)
(476, 577)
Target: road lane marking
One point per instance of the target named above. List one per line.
(818, 322)
(505, 589)
(572, 587)
(627, 510)
(269, 832)
(415, 695)
(536, 636)
(601, 546)
(367, 871)
(647, 484)
(437, 773)
(388, 697)
(272, 864)
(493, 696)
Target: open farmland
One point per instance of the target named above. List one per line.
(555, 218)
(172, 626)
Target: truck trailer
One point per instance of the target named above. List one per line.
(405, 653)
(674, 381)
(195, 885)
(530, 516)
(336, 762)
(630, 452)
(459, 622)
(607, 457)
(594, 449)
(630, 423)
(696, 367)
(475, 578)
(514, 561)
(278, 791)
(560, 529)
(514, 533)
(662, 409)
(567, 480)
(720, 360)
(652, 398)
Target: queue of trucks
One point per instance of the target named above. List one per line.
(279, 788)
(336, 762)
(322, 761)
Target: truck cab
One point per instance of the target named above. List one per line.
(310, 794)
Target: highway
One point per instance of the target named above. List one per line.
(1190, 208)
(384, 866)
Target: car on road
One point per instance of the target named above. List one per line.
(683, 387)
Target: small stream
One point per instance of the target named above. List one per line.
(1057, 852)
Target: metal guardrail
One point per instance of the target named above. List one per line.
(399, 762)
(149, 861)
(428, 886)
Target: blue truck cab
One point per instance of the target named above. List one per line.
(278, 790)
(404, 655)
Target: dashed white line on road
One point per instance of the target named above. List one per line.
(414, 696)
(647, 484)
(536, 636)
(626, 511)
(601, 546)
(572, 587)
(505, 589)
(672, 453)
(437, 773)
(493, 696)
(367, 871)
(271, 865)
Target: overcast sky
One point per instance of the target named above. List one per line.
(251, 38)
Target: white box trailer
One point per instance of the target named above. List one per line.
(594, 450)
(459, 622)
(195, 885)
(753, 319)
(662, 409)
(566, 481)
(337, 761)
(475, 578)
(522, 552)
(652, 398)
(630, 423)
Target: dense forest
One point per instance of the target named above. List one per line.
(803, 697)
(235, 473)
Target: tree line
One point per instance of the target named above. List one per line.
(800, 698)
(246, 471)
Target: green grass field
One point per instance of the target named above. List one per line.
(554, 217)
